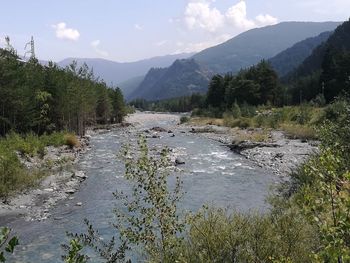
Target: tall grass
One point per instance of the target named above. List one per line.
(13, 175)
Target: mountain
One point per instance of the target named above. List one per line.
(289, 59)
(254, 45)
(326, 70)
(116, 72)
(239, 52)
(130, 85)
(339, 40)
(183, 77)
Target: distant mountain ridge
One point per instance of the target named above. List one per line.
(239, 52)
(117, 72)
(163, 83)
(256, 44)
(289, 59)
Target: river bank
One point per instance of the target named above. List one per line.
(276, 152)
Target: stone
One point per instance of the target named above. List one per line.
(70, 191)
(179, 161)
(79, 204)
(158, 129)
(80, 174)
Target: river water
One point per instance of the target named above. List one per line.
(212, 175)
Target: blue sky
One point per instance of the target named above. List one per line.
(129, 30)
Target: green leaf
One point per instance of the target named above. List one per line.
(12, 244)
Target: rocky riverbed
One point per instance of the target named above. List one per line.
(61, 182)
(278, 153)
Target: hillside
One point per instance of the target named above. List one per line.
(240, 52)
(130, 85)
(340, 40)
(183, 77)
(291, 58)
(250, 47)
(328, 64)
(116, 73)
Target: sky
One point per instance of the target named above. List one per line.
(130, 30)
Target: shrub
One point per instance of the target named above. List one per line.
(228, 119)
(7, 243)
(215, 235)
(184, 119)
(71, 140)
(296, 131)
(13, 176)
(236, 111)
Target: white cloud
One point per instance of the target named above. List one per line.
(236, 15)
(199, 46)
(95, 44)
(138, 27)
(161, 43)
(199, 14)
(266, 20)
(63, 32)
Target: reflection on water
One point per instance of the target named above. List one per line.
(212, 174)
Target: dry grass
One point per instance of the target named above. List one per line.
(200, 121)
(296, 131)
(71, 140)
(251, 135)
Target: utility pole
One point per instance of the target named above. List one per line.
(8, 46)
(32, 49)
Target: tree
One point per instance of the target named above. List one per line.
(216, 91)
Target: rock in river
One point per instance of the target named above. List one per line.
(179, 161)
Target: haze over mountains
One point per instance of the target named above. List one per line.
(239, 52)
(291, 58)
(286, 44)
(120, 73)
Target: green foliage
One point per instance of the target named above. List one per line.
(236, 110)
(149, 217)
(7, 244)
(73, 253)
(13, 175)
(152, 218)
(215, 235)
(326, 202)
(179, 104)
(109, 251)
(43, 99)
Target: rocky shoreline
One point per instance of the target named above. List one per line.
(62, 182)
(278, 154)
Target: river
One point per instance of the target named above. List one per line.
(212, 175)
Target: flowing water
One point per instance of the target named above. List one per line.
(212, 175)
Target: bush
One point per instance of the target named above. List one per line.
(218, 236)
(236, 111)
(184, 119)
(302, 132)
(71, 140)
(13, 176)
